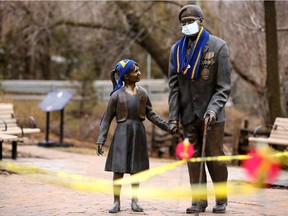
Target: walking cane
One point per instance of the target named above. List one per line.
(202, 162)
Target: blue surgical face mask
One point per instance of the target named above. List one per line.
(190, 29)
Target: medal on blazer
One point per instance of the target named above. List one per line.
(208, 59)
(209, 55)
(205, 74)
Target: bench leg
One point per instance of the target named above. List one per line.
(14, 150)
(1, 150)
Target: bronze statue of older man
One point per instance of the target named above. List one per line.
(200, 84)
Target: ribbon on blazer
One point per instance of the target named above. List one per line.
(190, 66)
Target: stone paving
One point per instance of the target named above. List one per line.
(22, 195)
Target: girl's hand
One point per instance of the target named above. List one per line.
(99, 150)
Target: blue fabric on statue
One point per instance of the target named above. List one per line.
(124, 67)
(190, 67)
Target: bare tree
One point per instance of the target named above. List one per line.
(98, 34)
(245, 34)
(272, 79)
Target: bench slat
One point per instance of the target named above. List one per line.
(279, 131)
(279, 136)
(19, 132)
(279, 120)
(269, 140)
(9, 120)
(6, 115)
(8, 138)
(5, 106)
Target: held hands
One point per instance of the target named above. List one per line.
(100, 150)
(211, 116)
(173, 127)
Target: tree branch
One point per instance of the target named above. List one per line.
(144, 37)
(83, 24)
(254, 85)
(282, 29)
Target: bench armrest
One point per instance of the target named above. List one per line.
(5, 124)
(267, 130)
(31, 119)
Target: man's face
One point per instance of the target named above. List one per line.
(190, 25)
(190, 20)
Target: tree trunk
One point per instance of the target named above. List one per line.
(1, 17)
(144, 38)
(272, 77)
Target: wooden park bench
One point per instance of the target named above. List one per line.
(4, 138)
(11, 131)
(278, 134)
(8, 116)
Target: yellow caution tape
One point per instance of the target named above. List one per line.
(89, 184)
(80, 183)
(22, 169)
(199, 191)
(93, 185)
(148, 174)
(74, 181)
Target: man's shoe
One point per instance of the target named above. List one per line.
(220, 208)
(135, 207)
(194, 209)
(115, 208)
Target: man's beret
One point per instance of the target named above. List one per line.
(190, 11)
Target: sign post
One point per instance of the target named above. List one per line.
(55, 101)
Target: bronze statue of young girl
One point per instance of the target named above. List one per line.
(128, 152)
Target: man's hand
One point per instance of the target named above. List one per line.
(211, 116)
(99, 150)
(173, 127)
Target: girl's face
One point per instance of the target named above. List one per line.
(135, 75)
